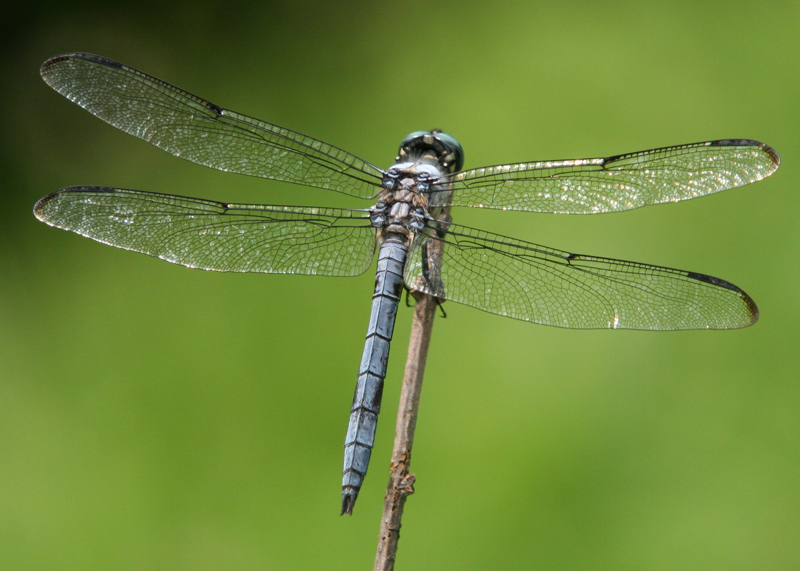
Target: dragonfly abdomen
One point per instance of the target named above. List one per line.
(369, 388)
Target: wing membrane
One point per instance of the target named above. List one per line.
(622, 182)
(215, 235)
(543, 285)
(202, 132)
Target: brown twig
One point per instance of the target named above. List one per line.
(401, 483)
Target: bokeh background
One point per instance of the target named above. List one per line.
(158, 418)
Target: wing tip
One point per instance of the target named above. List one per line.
(42, 205)
(54, 61)
(773, 154)
(40, 208)
(752, 308)
(765, 148)
(752, 312)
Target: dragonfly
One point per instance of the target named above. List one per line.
(419, 248)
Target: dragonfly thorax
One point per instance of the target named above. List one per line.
(402, 205)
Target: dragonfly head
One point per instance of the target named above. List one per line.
(444, 148)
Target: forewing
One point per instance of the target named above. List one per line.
(535, 283)
(202, 132)
(622, 182)
(215, 235)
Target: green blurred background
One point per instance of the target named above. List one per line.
(157, 418)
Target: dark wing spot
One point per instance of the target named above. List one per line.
(215, 108)
(712, 280)
(751, 305)
(736, 143)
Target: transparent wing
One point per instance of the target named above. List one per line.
(215, 235)
(535, 283)
(199, 131)
(622, 182)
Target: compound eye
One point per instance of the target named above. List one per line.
(455, 155)
(412, 136)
